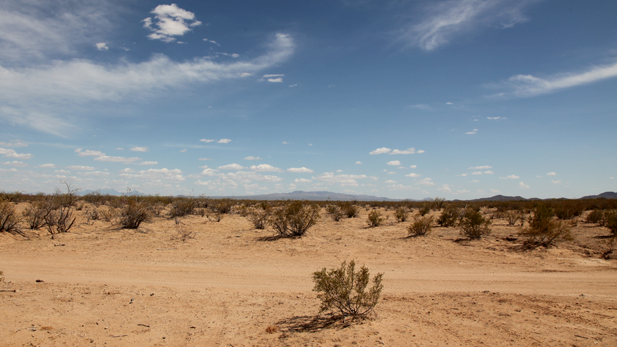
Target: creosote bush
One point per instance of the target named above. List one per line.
(345, 290)
(133, 214)
(543, 229)
(448, 217)
(610, 218)
(420, 226)
(424, 209)
(473, 225)
(294, 219)
(335, 212)
(375, 219)
(8, 218)
(513, 216)
(401, 214)
(182, 207)
(349, 209)
(258, 216)
(595, 216)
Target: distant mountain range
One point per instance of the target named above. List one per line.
(323, 196)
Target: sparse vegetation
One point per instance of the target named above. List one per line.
(449, 216)
(375, 219)
(294, 219)
(420, 226)
(610, 218)
(595, 216)
(426, 208)
(401, 214)
(543, 229)
(258, 216)
(8, 217)
(513, 216)
(349, 209)
(345, 290)
(473, 225)
(133, 214)
(335, 212)
(182, 207)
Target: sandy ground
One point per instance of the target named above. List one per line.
(233, 286)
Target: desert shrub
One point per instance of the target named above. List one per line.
(424, 210)
(595, 216)
(59, 220)
(258, 217)
(8, 217)
(109, 214)
(345, 290)
(183, 234)
(1, 276)
(448, 217)
(513, 216)
(473, 225)
(157, 208)
(543, 229)
(568, 209)
(610, 218)
(374, 219)
(401, 214)
(215, 217)
(93, 214)
(133, 214)
(36, 212)
(222, 206)
(182, 207)
(349, 210)
(420, 226)
(335, 212)
(294, 219)
(437, 203)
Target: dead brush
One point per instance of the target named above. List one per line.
(35, 213)
(8, 218)
(258, 217)
(183, 234)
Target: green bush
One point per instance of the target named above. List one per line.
(420, 226)
(595, 216)
(294, 219)
(344, 290)
(473, 225)
(448, 217)
(375, 219)
(543, 229)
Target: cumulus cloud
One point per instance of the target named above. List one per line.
(80, 168)
(37, 96)
(139, 149)
(302, 180)
(426, 182)
(510, 177)
(207, 140)
(406, 151)
(169, 21)
(223, 141)
(413, 166)
(528, 85)
(250, 157)
(13, 143)
(233, 166)
(551, 174)
(444, 21)
(85, 153)
(523, 185)
(102, 46)
(394, 163)
(48, 166)
(10, 153)
(156, 175)
(299, 170)
(359, 162)
(117, 159)
(381, 150)
(274, 78)
(413, 174)
(265, 168)
(488, 172)
(482, 167)
(15, 163)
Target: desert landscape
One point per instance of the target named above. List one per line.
(209, 279)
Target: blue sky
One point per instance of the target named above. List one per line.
(404, 99)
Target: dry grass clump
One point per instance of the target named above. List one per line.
(473, 225)
(420, 226)
(344, 290)
(294, 219)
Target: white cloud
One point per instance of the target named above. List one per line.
(449, 103)
(169, 21)
(204, 159)
(223, 141)
(394, 163)
(299, 170)
(482, 167)
(36, 96)
(477, 173)
(14, 143)
(10, 153)
(265, 168)
(359, 162)
(413, 166)
(523, 185)
(406, 151)
(284, 142)
(343, 180)
(488, 172)
(275, 80)
(551, 174)
(426, 182)
(293, 85)
(413, 174)
(208, 172)
(424, 107)
(212, 41)
(444, 21)
(510, 177)
(48, 166)
(233, 166)
(80, 168)
(302, 180)
(148, 163)
(250, 157)
(528, 85)
(381, 150)
(139, 149)
(445, 188)
(15, 163)
(556, 181)
(420, 151)
(156, 175)
(102, 46)
(87, 153)
(390, 182)
(117, 159)
(272, 75)
(495, 118)
(207, 140)
(95, 173)
(473, 132)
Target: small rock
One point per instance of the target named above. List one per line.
(40, 281)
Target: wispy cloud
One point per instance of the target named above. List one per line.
(139, 149)
(528, 85)
(445, 21)
(299, 170)
(10, 153)
(510, 177)
(265, 168)
(250, 157)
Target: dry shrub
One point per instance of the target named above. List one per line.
(350, 210)
(448, 217)
(258, 216)
(610, 218)
(8, 218)
(543, 229)
(36, 212)
(215, 217)
(272, 329)
(335, 212)
(513, 216)
(59, 220)
(133, 214)
(595, 216)
(401, 214)
(222, 206)
(109, 214)
(182, 207)
(426, 208)
(294, 219)
(473, 225)
(420, 226)
(183, 234)
(344, 290)
(375, 219)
